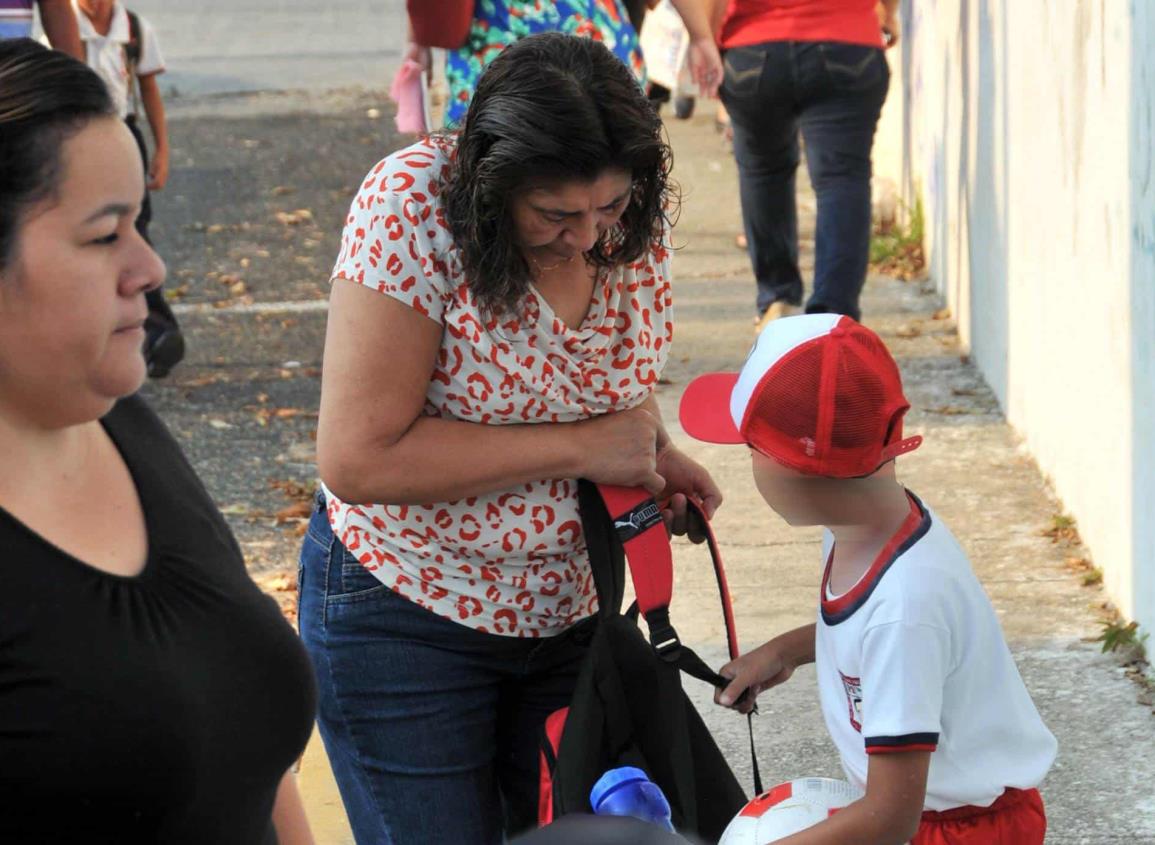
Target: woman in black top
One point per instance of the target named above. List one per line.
(148, 691)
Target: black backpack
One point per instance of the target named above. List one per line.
(629, 708)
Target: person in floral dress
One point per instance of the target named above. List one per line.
(500, 315)
(499, 23)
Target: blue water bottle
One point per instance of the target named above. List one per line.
(627, 791)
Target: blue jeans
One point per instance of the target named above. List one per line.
(833, 93)
(432, 729)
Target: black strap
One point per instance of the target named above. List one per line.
(132, 53)
(133, 49)
(607, 562)
(758, 790)
(731, 636)
(607, 559)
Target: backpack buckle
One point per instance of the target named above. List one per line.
(663, 637)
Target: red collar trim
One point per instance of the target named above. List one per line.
(837, 609)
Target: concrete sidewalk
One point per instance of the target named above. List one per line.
(247, 364)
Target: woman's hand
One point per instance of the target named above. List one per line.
(417, 53)
(685, 479)
(621, 448)
(705, 65)
(889, 21)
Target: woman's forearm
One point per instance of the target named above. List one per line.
(440, 460)
(695, 17)
(651, 405)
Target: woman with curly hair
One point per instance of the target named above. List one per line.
(499, 318)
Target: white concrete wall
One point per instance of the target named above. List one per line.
(1026, 127)
(1143, 306)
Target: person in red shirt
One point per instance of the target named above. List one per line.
(815, 67)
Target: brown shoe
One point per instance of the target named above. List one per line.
(778, 308)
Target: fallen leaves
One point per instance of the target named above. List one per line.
(294, 218)
(282, 588)
(951, 410)
(902, 260)
(908, 330)
(294, 515)
(1062, 529)
(264, 414)
(296, 512)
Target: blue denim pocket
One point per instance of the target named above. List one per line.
(743, 71)
(339, 576)
(356, 582)
(853, 67)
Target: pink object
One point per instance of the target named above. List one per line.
(407, 92)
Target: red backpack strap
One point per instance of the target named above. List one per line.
(639, 525)
(638, 522)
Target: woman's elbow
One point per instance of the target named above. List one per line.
(344, 475)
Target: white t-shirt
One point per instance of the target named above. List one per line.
(912, 657)
(511, 562)
(105, 54)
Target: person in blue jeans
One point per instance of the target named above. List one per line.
(815, 67)
(499, 317)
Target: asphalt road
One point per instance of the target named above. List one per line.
(220, 46)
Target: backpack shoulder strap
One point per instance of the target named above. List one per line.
(639, 526)
(133, 49)
(132, 53)
(638, 523)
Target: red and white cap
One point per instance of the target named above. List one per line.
(819, 393)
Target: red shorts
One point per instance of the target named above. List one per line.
(1016, 818)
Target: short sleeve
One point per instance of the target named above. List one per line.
(395, 237)
(151, 60)
(904, 669)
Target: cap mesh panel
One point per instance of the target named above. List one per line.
(868, 405)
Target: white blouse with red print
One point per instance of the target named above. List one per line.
(512, 562)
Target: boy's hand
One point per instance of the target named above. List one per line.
(758, 670)
(158, 170)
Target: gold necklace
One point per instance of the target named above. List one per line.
(541, 269)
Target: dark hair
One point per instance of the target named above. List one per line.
(45, 97)
(552, 107)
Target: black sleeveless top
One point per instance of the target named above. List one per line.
(164, 707)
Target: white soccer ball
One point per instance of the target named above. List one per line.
(788, 808)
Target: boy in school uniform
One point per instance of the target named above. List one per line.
(918, 688)
(122, 47)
